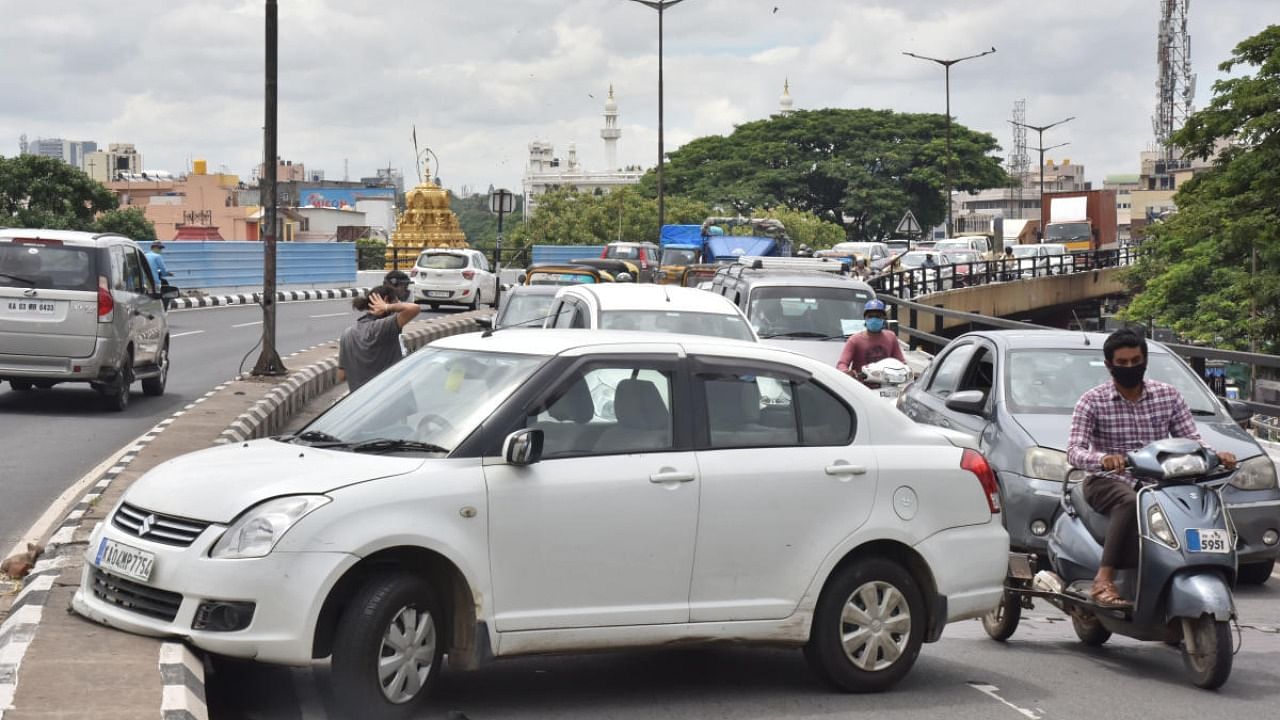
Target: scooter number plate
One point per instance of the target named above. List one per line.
(1208, 541)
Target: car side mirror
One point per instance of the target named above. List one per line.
(523, 447)
(485, 322)
(1237, 410)
(168, 292)
(969, 402)
(520, 279)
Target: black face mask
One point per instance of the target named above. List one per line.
(1128, 377)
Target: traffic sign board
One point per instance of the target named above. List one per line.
(502, 201)
(908, 225)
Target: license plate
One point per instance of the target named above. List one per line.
(438, 293)
(125, 560)
(1208, 541)
(890, 392)
(29, 308)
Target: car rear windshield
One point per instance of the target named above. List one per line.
(622, 253)
(442, 261)
(47, 265)
(675, 321)
(525, 309)
(1052, 380)
(823, 313)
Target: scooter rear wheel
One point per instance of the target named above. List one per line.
(1210, 664)
(1090, 630)
(1002, 622)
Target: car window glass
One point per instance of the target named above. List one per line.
(807, 312)
(562, 314)
(824, 419)
(579, 317)
(749, 410)
(602, 410)
(950, 369)
(980, 375)
(442, 261)
(1052, 381)
(148, 284)
(48, 267)
(133, 272)
(622, 253)
(671, 321)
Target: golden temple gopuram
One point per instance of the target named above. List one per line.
(427, 222)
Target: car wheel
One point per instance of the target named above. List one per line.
(44, 384)
(388, 648)
(21, 385)
(116, 394)
(1255, 573)
(154, 386)
(868, 626)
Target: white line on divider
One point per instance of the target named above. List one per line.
(189, 332)
(240, 325)
(331, 315)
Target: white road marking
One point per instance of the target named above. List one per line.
(994, 692)
(331, 315)
(192, 332)
(240, 325)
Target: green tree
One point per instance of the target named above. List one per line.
(42, 192)
(1196, 271)
(130, 222)
(567, 217)
(858, 168)
(478, 224)
(804, 227)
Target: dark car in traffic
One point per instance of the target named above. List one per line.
(1014, 391)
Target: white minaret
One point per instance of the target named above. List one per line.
(785, 102)
(611, 132)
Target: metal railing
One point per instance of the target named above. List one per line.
(914, 282)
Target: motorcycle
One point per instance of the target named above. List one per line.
(1186, 568)
(888, 376)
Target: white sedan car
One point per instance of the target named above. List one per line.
(649, 308)
(476, 500)
(446, 276)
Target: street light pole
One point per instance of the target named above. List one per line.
(946, 66)
(269, 362)
(1040, 141)
(660, 6)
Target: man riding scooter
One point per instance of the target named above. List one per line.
(871, 345)
(1109, 421)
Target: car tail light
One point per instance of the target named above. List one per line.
(106, 306)
(973, 461)
(468, 274)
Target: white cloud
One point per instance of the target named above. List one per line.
(481, 80)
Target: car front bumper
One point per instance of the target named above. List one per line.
(1026, 500)
(1254, 512)
(287, 589)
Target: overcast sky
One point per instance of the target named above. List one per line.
(183, 79)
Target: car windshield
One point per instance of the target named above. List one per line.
(436, 396)
(47, 267)
(1067, 231)
(623, 252)
(527, 309)
(825, 313)
(1025, 251)
(561, 278)
(913, 259)
(676, 321)
(679, 257)
(442, 261)
(957, 256)
(1048, 380)
(953, 245)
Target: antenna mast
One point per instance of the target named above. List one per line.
(1019, 161)
(1176, 86)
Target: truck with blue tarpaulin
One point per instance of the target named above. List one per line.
(714, 241)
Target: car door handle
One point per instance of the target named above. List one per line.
(670, 476)
(844, 468)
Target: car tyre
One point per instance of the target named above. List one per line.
(116, 394)
(388, 648)
(21, 385)
(154, 386)
(868, 626)
(1256, 573)
(44, 384)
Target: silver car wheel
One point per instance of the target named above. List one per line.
(407, 653)
(875, 626)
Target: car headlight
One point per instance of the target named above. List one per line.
(255, 533)
(1046, 464)
(1256, 473)
(1159, 526)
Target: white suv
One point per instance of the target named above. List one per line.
(650, 308)
(522, 492)
(453, 277)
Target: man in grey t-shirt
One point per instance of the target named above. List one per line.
(373, 343)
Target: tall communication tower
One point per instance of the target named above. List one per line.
(1019, 161)
(1176, 86)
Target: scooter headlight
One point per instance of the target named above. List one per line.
(1256, 473)
(1184, 466)
(1159, 526)
(1046, 464)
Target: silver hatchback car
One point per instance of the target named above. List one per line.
(81, 307)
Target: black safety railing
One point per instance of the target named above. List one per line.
(924, 280)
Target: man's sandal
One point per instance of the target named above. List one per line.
(1106, 595)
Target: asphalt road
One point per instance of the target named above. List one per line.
(1042, 673)
(50, 438)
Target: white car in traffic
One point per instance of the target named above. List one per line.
(477, 500)
(446, 276)
(648, 308)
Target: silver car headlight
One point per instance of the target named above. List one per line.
(1256, 473)
(255, 533)
(1046, 464)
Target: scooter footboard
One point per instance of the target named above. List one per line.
(1194, 594)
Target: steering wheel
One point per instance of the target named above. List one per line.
(430, 424)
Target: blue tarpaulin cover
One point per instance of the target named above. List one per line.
(731, 247)
(681, 235)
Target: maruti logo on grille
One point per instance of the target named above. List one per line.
(146, 525)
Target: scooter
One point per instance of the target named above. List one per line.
(888, 377)
(1187, 563)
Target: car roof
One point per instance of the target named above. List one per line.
(644, 296)
(68, 236)
(800, 278)
(449, 251)
(1051, 339)
(533, 289)
(551, 341)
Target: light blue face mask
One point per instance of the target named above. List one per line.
(875, 324)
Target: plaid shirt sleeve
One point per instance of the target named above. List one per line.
(1083, 423)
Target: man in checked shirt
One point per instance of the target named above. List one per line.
(1110, 420)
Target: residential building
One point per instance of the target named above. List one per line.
(196, 205)
(1005, 201)
(1124, 185)
(1157, 183)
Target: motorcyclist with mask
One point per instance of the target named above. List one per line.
(1113, 419)
(870, 345)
